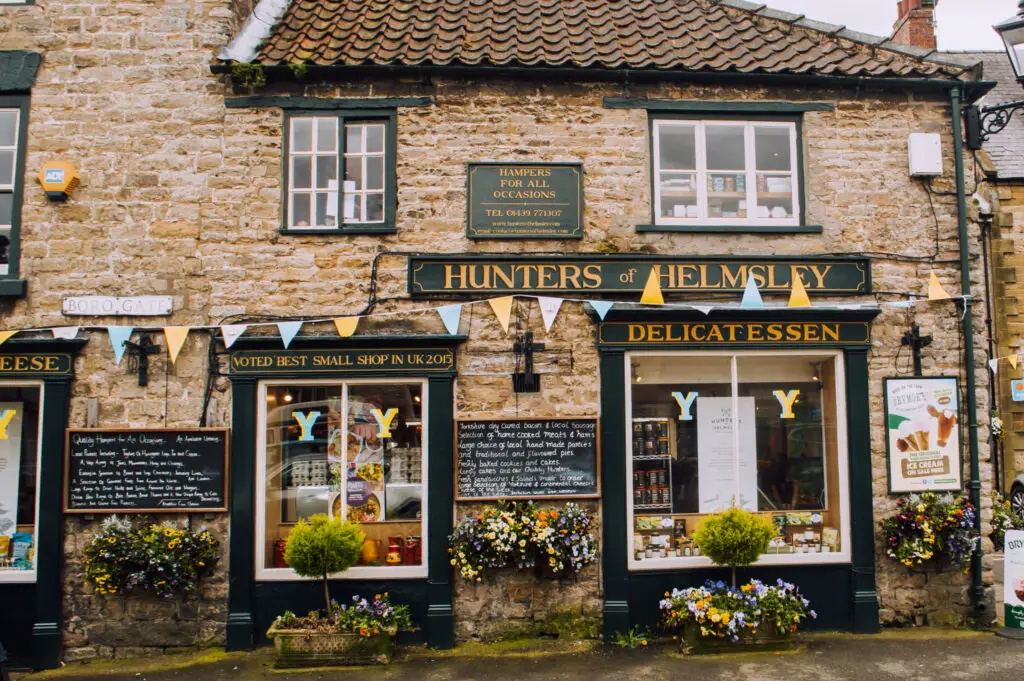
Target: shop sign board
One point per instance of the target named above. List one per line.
(527, 458)
(42, 364)
(620, 274)
(703, 334)
(1013, 579)
(923, 434)
(145, 470)
(524, 200)
(116, 306)
(321, 362)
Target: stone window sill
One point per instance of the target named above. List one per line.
(732, 229)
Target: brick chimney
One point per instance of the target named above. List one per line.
(915, 24)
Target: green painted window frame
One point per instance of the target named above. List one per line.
(389, 117)
(739, 227)
(10, 284)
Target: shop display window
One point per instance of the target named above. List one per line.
(19, 466)
(764, 432)
(727, 172)
(349, 450)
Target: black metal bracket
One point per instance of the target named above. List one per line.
(526, 381)
(916, 341)
(138, 356)
(982, 123)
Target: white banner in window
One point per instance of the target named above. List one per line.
(11, 414)
(716, 461)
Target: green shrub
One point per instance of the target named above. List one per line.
(734, 538)
(323, 547)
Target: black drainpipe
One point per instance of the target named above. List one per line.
(956, 100)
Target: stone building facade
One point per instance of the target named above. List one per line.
(181, 195)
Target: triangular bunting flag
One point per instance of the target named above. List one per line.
(5, 336)
(346, 326)
(175, 336)
(751, 296)
(935, 290)
(1012, 359)
(652, 290)
(992, 363)
(450, 315)
(549, 310)
(798, 297)
(288, 331)
(503, 310)
(119, 336)
(232, 332)
(601, 307)
(65, 332)
(706, 309)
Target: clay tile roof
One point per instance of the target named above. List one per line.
(692, 35)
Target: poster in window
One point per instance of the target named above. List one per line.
(718, 460)
(923, 434)
(11, 414)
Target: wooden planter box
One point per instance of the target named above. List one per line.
(304, 648)
(767, 639)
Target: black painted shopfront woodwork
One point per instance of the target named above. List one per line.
(842, 590)
(31, 625)
(254, 602)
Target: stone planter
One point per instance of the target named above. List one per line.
(767, 639)
(304, 648)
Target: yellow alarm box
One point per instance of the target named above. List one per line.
(59, 179)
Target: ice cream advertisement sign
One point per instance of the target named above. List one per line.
(1013, 579)
(923, 434)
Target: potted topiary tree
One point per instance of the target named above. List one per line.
(356, 633)
(735, 538)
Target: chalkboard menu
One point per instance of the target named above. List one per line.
(151, 470)
(527, 459)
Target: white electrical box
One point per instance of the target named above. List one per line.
(925, 154)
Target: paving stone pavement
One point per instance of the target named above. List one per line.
(915, 655)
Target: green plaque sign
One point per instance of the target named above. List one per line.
(524, 201)
(734, 333)
(323, 362)
(431, 275)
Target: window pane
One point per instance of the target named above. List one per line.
(300, 210)
(322, 219)
(353, 206)
(354, 172)
(6, 208)
(302, 459)
(326, 170)
(8, 128)
(19, 453)
(302, 134)
(6, 167)
(353, 139)
(774, 197)
(5, 245)
(678, 194)
(773, 148)
(374, 207)
(374, 139)
(374, 172)
(326, 134)
(302, 172)
(725, 147)
(677, 147)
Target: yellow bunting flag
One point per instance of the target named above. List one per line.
(652, 290)
(503, 310)
(935, 290)
(346, 326)
(798, 297)
(1012, 359)
(175, 336)
(5, 336)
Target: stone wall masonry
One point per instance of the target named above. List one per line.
(182, 197)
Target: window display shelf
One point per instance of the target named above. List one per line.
(650, 507)
(652, 457)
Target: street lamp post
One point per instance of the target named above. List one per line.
(985, 122)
